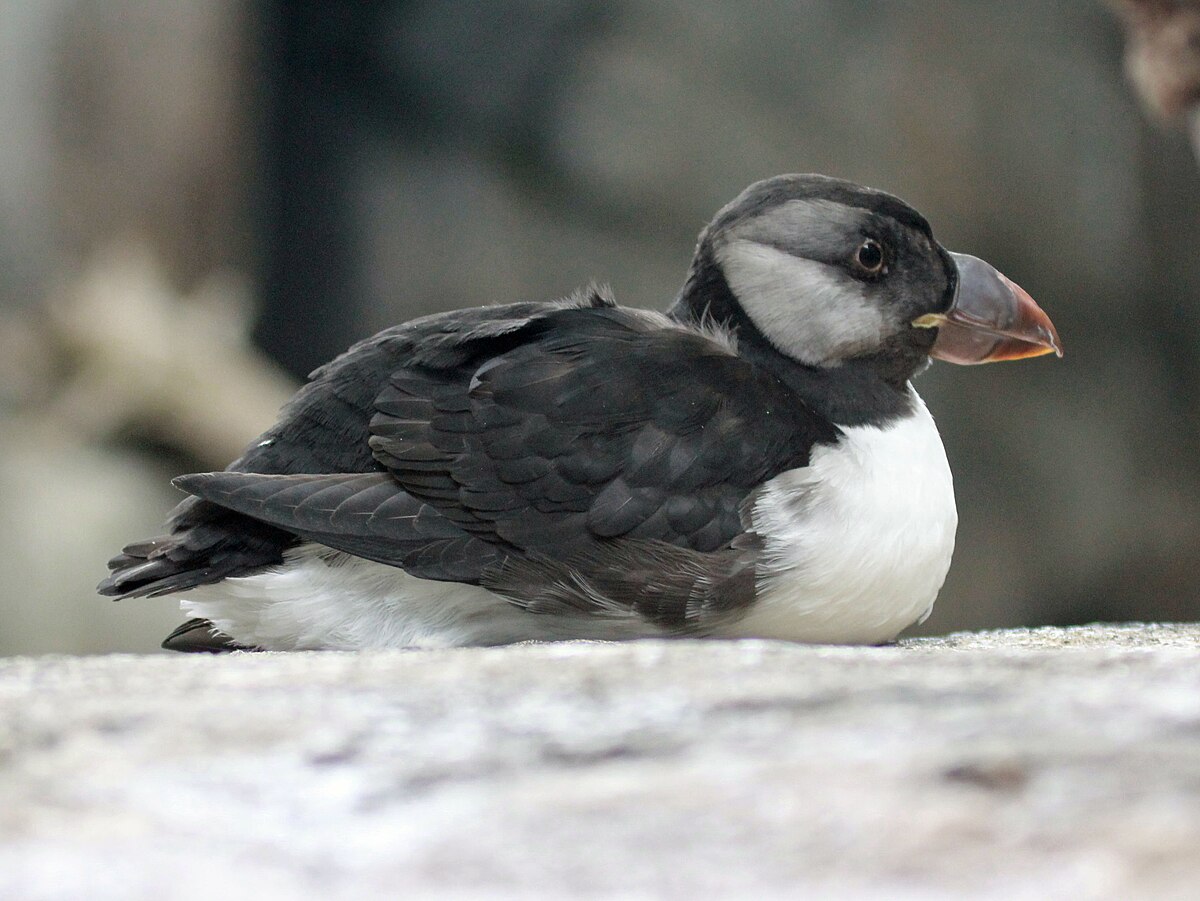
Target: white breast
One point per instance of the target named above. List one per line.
(857, 543)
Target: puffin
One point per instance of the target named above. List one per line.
(751, 463)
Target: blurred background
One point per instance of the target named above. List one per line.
(200, 202)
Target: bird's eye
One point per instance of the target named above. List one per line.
(869, 257)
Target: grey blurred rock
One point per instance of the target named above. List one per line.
(1025, 764)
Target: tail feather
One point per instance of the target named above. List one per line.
(208, 543)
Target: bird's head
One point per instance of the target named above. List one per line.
(829, 273)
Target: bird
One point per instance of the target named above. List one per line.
(753, 462)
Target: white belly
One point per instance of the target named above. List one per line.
(858, 543)
(324, 600)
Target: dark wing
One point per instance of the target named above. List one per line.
(605, 438)
(323, 429)
(609, 424)
(365, 514)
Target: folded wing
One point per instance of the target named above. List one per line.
(598, 465)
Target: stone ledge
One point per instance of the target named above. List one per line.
(1027, 763)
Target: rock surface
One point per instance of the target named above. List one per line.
(1044, 763)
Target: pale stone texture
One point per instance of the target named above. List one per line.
(1021, 764)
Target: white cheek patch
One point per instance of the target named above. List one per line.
(807, 310)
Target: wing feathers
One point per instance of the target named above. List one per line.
(645, 428)
(366, 514)
(571, 457)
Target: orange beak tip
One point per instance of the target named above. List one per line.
(991, 319)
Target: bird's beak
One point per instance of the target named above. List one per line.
(991, 319)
